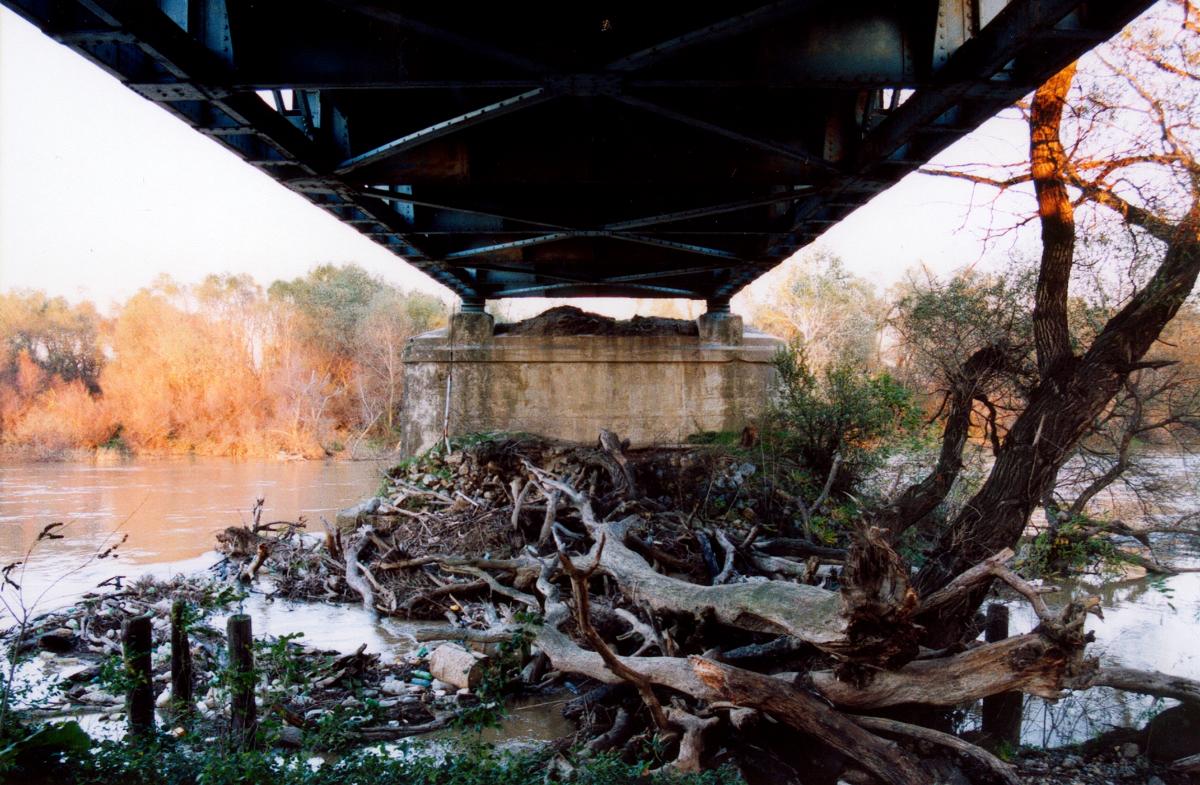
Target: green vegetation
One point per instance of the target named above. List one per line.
(1069, 550)
(163, 761)
(840, 420)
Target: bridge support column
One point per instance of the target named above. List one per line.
(471, 326)
(717, 325)
(569, 379)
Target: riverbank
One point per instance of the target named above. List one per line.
(357, 450)
(440, 544)
(1124, 764)
(331, 708)
(339, 706)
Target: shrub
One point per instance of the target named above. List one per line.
(840, 413)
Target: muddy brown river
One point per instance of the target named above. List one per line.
(170, 510)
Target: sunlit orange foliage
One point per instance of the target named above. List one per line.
(219, 367)
(183, 382)
(61, 418)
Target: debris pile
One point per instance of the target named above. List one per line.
(569, 320)
(678, 592)
(482, 499)
(675, 588)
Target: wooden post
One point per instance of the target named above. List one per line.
(139, 702)
(1002, 713)
(241, 674)
(181, 662)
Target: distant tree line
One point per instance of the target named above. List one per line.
(223, 367)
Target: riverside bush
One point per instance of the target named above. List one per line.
(165, 761)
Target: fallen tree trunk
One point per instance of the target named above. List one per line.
(809, 715)
(997, 767)
(1030, 663)
(777, 607)
(1161, 685)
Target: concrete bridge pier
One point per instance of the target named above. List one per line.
(717, 325)
(566, 374)
(471, 326)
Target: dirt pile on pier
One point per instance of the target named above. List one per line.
(569, 320)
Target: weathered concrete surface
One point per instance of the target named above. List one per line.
(649, 389)
(471, 328)
(721, 328)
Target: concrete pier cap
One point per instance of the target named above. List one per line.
(567, 373)
(471, 327)
(718, 325)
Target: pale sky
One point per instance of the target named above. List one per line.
(100, 191)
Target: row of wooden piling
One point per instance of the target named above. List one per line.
(137, 637)
(1001, 713)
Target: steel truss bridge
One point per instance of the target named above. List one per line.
(634, 149)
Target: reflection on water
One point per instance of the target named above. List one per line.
(1149, 625)
(170, 510)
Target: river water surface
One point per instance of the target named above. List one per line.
(171, 510)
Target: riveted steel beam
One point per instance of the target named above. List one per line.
(512, 245)
(465, 43)
(796, 192)
(712, 33)
(799, 111)
(733, 134)
(421, 201)
(452, 125)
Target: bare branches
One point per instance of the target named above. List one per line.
(980, 179)
(1153, 224)
(727, 571)
(807, 510)
(579, 588)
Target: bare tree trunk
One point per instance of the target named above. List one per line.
(1072, 391)
(1048, 161)
(920, 499)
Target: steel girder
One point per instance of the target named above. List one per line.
(578, 149)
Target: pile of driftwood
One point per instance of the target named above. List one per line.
(695, 622)
(483, 499)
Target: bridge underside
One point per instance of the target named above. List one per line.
(578, 148)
